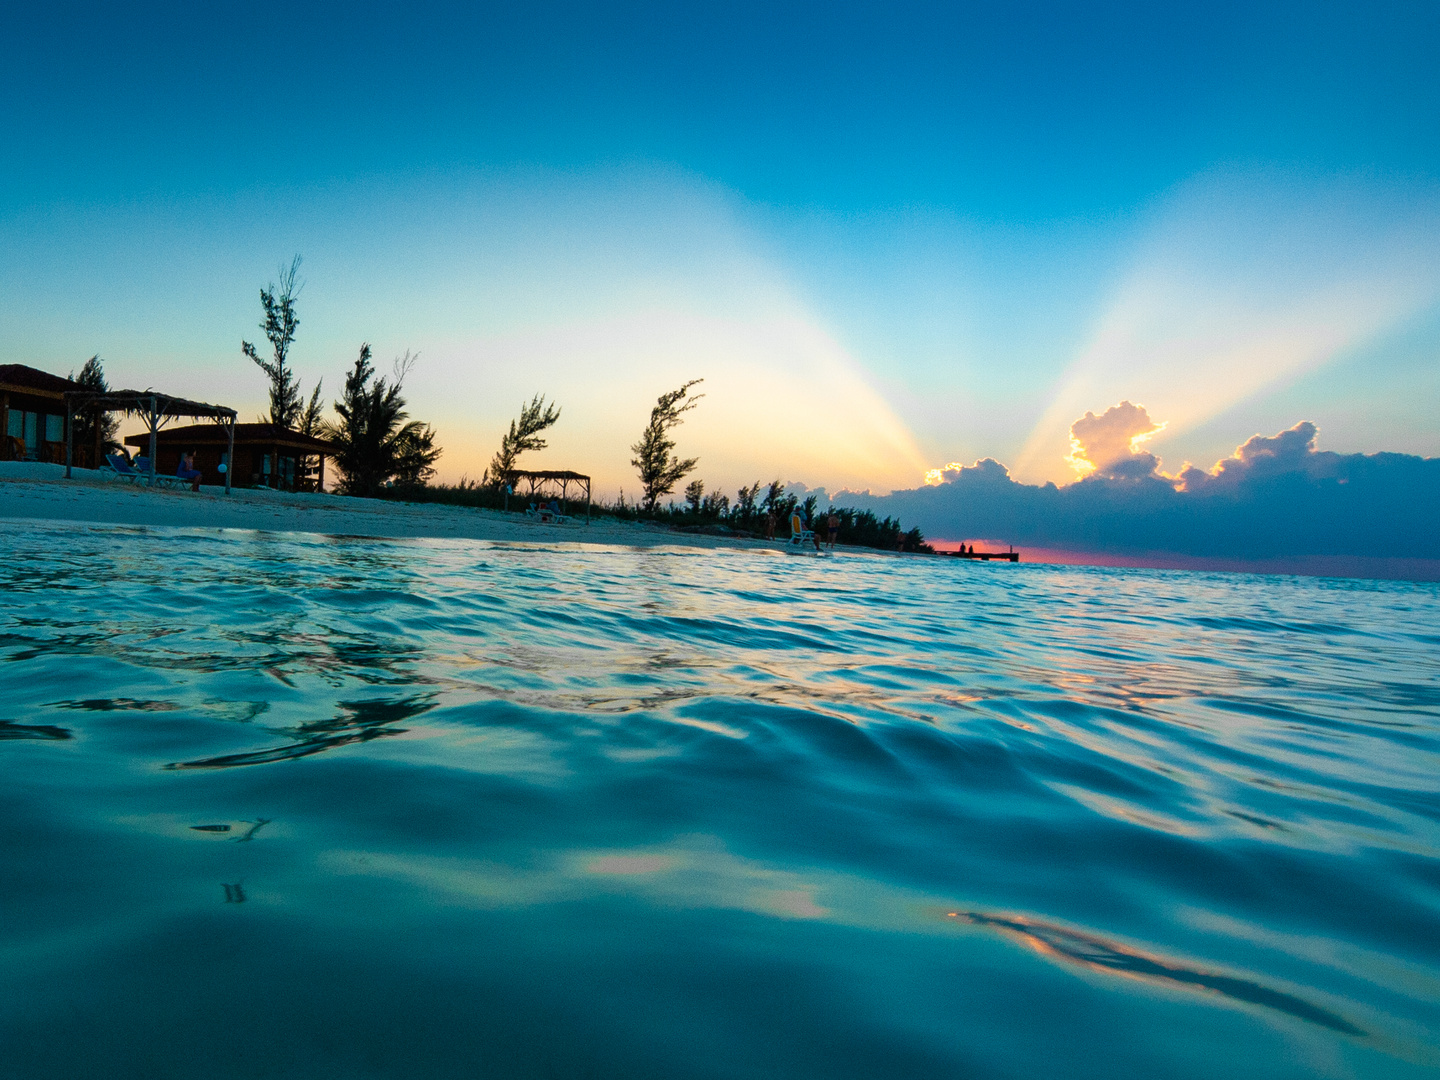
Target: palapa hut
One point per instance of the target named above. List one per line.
(155, 409)
(561, 484)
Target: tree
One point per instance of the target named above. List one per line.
(375, 444)
(280, 325)
(311, 418)
(745, 502)
(660, 470)
(778, 503)
(415, 454)
(83, 429)
(716, 505)
(524, 434)
(694, 493)
(307, 466)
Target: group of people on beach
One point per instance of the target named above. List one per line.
(800, 525)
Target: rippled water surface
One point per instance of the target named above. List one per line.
(297, 806)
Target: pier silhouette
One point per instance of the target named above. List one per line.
(984, 556)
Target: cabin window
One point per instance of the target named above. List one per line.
(15, 426)
(32, 430)
(54, 428)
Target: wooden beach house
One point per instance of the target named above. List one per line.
(32, 414)
(265, 455)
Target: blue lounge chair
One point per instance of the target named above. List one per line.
(116, 463)
(139, 471)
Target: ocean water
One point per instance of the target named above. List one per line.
(280, 805)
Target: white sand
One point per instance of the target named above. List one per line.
(32, 490)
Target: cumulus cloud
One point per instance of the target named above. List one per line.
(1275, 497)
(1291, 451)
(1241, 280)
(1109, 444)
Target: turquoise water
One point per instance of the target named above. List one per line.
(298, 806)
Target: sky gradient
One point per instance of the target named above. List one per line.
(890, 238)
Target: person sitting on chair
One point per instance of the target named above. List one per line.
(187, 470)
(799, 527)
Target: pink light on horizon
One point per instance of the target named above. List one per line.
(1345, 566)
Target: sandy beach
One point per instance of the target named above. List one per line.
(30, 490)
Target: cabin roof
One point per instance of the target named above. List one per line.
(18, 378)
(249, 435)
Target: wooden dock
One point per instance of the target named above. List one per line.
(984, 556)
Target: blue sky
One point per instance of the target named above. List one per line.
(890, 236)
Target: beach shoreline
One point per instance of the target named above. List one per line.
(33, 491)
(39, 492)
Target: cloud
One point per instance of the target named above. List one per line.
(1238, 282)
(1291, 451)
(1109, 444)
(1275, 497)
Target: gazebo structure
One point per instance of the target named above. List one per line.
(152, 407)
(554, 483)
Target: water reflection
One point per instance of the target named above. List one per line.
(357, 722)
(255, 827)
(1097, 954)
(11, 729)
(122, 704)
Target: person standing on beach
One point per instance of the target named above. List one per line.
(770, 524)
(832, 524)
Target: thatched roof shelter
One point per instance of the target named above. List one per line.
(553, 482)
(151, 406)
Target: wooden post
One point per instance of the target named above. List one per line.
(587, 500)
(69, 435)
(5, 420)
(153, 421)
(100, 415)
(320, 477)
(230, 455)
